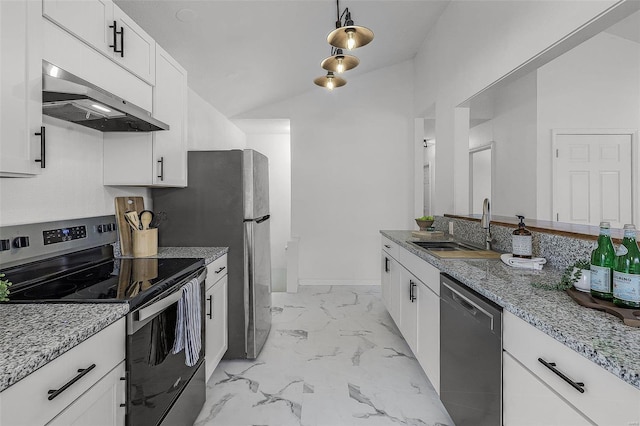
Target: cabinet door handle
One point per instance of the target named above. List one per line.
(82, 371)
(579, 386)
(386, 264)
(115, 39)
(43, 141)
(210, 300)
(161, 162)
(222, 268)
(412, 296)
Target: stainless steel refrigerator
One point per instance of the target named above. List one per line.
(226, 204)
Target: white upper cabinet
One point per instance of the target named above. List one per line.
(21, 88)
(170, 106)
(157, 158)
(105, 27)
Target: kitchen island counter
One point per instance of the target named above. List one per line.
(598, 336)
(37, 333)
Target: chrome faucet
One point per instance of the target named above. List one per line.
(486, 223)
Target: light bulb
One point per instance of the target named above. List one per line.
(351, 42)
(330, 84)
(340, 65)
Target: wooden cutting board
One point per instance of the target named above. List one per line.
(123, 205)
(628, 316)
(463, 254)
(427, 234)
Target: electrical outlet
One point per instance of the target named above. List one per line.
(451, 228)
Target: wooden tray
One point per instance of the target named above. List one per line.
(427, 234)
(630, 317)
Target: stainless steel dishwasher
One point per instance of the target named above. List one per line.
(470, 355)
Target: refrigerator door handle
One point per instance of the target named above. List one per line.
(263, 218)
(259, 220)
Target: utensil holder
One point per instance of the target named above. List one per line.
(145, 242)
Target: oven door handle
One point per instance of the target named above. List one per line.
(162, 304)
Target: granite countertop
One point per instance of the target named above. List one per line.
(35, 334)
(598, 336)
(209, 254)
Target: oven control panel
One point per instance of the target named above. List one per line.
(60, 235)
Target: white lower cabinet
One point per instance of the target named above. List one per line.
(409, 308)
(390, 274)
(82, 386)
(428, 350)
(410, 291)
(595, 394)
(527, 401)
(216, 314)
(104, 404)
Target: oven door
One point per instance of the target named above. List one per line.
(156, 377)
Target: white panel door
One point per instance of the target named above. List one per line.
(592, 178)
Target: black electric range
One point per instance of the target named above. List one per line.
(73, 261)
(95, 276)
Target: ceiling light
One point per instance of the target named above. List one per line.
(330, 81)
(339, 62)
(348, 35)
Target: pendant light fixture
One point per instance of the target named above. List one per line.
(330, 81)
(347, 35)
(338, 62)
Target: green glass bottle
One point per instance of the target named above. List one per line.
(603, 258)
(626, 274)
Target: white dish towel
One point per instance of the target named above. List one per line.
(519, 262)
(188, 323)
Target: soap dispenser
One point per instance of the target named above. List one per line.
(521, 240)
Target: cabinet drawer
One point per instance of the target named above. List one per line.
(216, 270)
(606, 398)
(428, 274)
(390, 247)
(27, 403)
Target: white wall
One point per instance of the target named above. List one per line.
(277, 148)
(594, 86)
(208, 129)
(351, 172)
(69, 187)
(473, 44)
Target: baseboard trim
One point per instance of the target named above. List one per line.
(339, 282)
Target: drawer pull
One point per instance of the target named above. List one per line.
(55, 392)
(579, 386)
(387, 246)
(222, 268)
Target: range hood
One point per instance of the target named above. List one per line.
(70, 98)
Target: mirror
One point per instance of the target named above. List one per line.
(565, 134)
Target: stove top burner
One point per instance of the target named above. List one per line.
(133, 281)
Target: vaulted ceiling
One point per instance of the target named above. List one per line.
(242, 55)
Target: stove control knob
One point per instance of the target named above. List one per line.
(100, 229)
(20, 242)
(112, 227)
(5, 245)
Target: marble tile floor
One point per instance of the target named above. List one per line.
(333, 357)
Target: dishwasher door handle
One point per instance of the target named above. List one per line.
(468, 305)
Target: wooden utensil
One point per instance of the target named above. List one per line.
(122, 205)
(134, 220)
(145, 218)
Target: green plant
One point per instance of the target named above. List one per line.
(4, 288)
(425, 218)
(569, 276)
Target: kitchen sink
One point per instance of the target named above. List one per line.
(444, 246)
